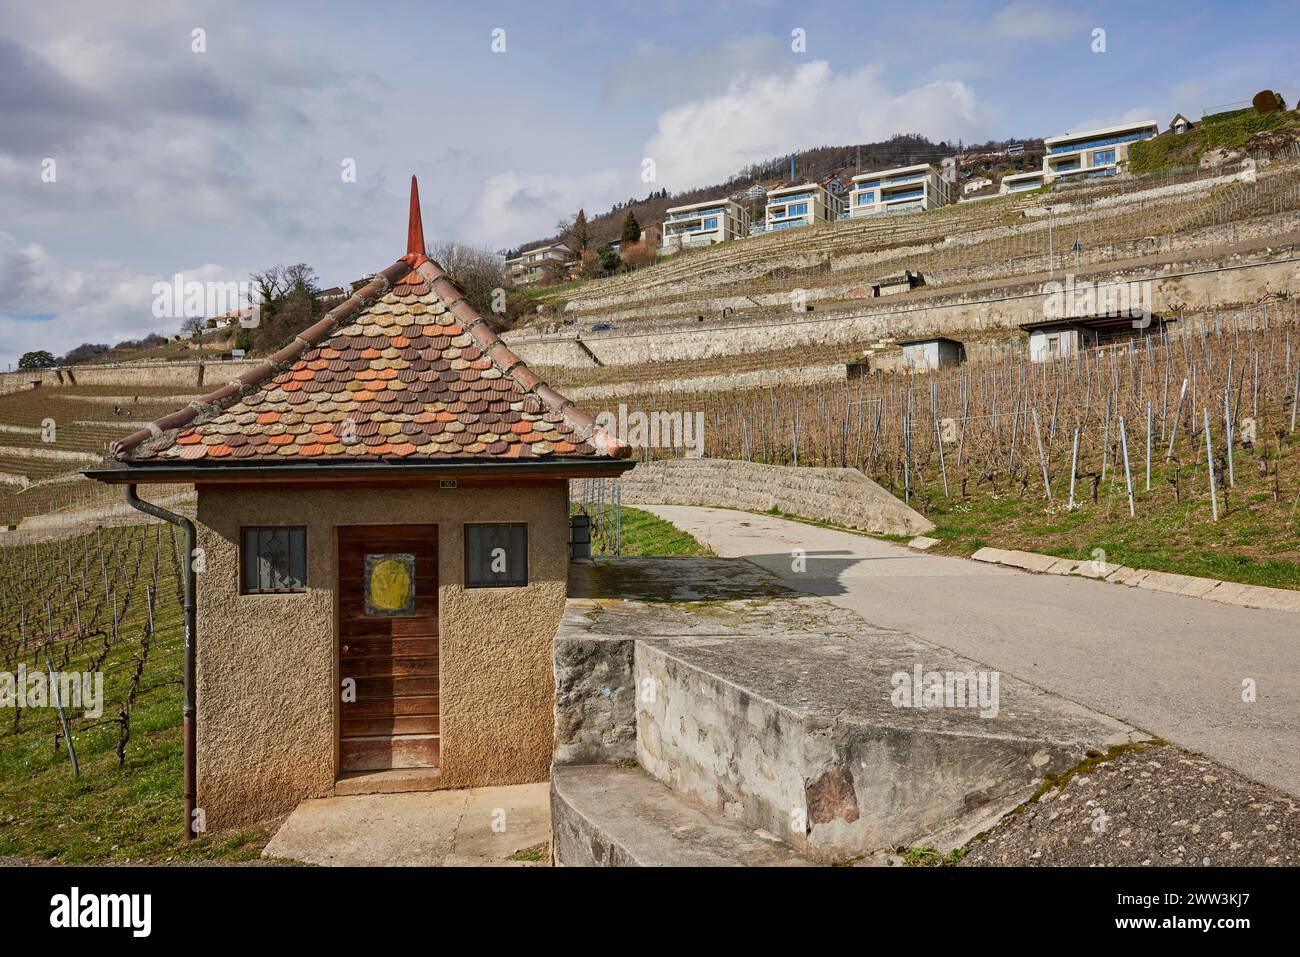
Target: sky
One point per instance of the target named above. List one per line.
(212, 139)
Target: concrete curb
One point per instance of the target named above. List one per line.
(1228, 593)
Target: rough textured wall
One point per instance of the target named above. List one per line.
(191, 374)
(841, 496)
(267, 664)
(594, 708)
(1191, 285)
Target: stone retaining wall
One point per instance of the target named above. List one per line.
(840, 496)
(204, 376)
(1188, 285)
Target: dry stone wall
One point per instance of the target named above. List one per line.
(840, 496)
(1190, 286)
(204, 376)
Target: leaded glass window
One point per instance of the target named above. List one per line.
(274, 560)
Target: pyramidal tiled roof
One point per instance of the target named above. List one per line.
(405, 369)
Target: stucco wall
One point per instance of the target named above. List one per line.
(267, 679)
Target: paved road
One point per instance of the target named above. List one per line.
(1173, 666)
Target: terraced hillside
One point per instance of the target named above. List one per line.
(1094, 224)
(47, 435)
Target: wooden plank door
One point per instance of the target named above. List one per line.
(388, 643)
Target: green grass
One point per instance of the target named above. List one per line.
(535, 853)
(646, 535)
(1231, 130)
(1252, 543)
(929, 857)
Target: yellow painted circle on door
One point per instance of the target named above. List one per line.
(390, 585)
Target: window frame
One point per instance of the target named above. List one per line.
(244, 588)
(469, 576)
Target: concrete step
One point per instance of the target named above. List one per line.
(800, 735)
(783, 715)
(614, 816)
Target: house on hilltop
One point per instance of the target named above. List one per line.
(379, 555)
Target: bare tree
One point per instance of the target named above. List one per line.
(480, 272)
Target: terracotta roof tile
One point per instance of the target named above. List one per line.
(405, 368)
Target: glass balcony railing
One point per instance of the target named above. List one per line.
(1106, 141)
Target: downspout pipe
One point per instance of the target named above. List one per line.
(188, 579)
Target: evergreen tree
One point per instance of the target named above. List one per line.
(581, 233)
(631, 229)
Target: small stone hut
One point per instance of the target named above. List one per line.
(382, 550)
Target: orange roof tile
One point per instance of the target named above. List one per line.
(405, 367)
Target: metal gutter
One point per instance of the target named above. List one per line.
(220, 471)
(188, 578)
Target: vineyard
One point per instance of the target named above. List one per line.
(1186, 435)
(1072, 226)
(106, 602)
(47, 436)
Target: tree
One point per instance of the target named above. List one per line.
(608, 261)
(478, 271)
(85, 353)
(643, 252)
(631, 228)
(192, 326)
(581, 232)
(39, 359)
(290, 302)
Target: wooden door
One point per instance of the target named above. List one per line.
(388, 643)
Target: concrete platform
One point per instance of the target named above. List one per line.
(779, 713)
(477, 827)
(1171, 664)
(611, 816)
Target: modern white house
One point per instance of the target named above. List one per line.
(975, 185)
(530, 266)
(702, 224)
(804, 205)
(903, 189)
(1020, 182)
(1094, 152)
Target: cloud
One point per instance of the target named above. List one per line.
(709, 139)
(514, 206)
(1030, 20)
(665, 74)
(45, 304)
(1138, 114)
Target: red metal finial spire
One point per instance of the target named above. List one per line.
(415, 227)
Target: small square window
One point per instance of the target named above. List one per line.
(273, 560)
(496, 556)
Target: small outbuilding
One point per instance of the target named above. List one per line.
(922, 355)
(380, 553)
(1050, 339)
(905, 281)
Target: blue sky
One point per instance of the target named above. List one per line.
(218, 162)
